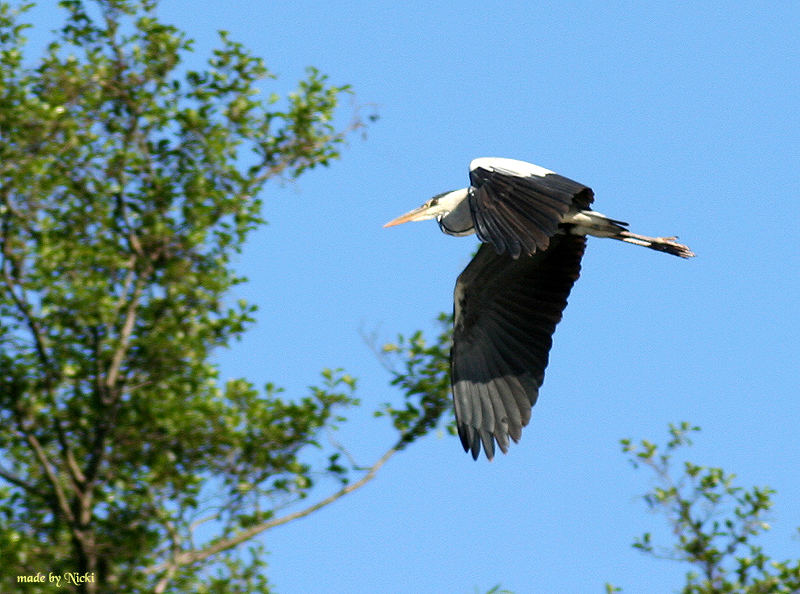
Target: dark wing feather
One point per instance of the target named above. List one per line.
(506, 311)
(518, 214)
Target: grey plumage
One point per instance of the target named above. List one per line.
(506, 311)
(518, 215)
(533, 224)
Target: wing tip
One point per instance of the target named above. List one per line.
(472, 438)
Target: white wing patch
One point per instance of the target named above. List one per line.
(513, 166)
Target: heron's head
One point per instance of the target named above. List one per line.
(435, 208)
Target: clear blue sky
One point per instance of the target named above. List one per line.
(685, 119)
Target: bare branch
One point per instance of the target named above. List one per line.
(25, 309)
(190, 557)
(173, 567)
(78, 478)
(47, 467)
(124, 338)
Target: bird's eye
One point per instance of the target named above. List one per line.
(433, 202)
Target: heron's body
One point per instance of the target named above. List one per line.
(533, 224)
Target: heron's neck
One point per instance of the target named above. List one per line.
(458, 221)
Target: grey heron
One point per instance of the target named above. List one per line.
(533, 225)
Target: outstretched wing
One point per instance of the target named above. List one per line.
(517, 206)
(506, 311)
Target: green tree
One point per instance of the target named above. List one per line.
(714, 522)
(127, 183)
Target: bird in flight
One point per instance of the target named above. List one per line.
(533, 225)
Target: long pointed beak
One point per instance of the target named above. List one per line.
(418, 214)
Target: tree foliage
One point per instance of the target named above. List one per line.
(714, 522)
(127, 183)
(422, 371)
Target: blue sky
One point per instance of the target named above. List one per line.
(684, 119)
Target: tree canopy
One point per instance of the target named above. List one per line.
(713, 521)
(127, 183)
